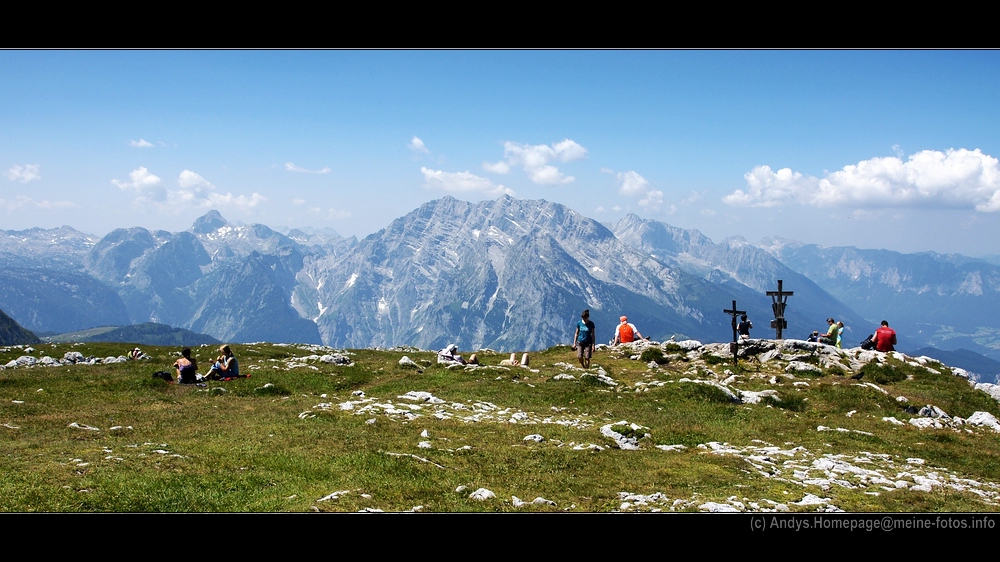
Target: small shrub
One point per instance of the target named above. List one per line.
(627, 431)
(713, 359)
(811, 359)
(837, 371)
(705, 393)
(271, 389)
(673, 348)
(882, 374)
(788, 401)
(653, 354)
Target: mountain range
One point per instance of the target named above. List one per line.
(508, 274)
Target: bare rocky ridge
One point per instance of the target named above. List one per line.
(507, 274)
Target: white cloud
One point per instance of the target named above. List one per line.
(693, 198)
(293, 168)
(139, 180)
(600, 210)
(956, 178)
(141, 143)
(24, 174)
(535, 160)
(196, 191)
(193, 182)
(418, 146)
(193, 192)
(500, 167)
(461, 182)
(631, 183)
(298, 201)
(228, 200)
(652, 199)
(21, 202)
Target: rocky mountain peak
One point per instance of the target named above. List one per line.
(209, 222)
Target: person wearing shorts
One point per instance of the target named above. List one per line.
(584, 339)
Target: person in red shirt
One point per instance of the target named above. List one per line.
(885, 338)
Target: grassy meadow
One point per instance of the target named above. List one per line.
(113, 438)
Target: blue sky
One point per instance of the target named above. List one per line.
(877, 149)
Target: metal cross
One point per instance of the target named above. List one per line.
(779, 299)
(734, 313)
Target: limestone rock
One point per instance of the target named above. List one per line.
(985, 419)
(482, 494)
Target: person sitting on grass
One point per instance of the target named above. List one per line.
(187, 367)
(226, 367)
(450, 356)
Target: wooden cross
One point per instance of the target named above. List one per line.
(779, 299)
(734, 313)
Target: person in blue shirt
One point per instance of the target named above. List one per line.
(584, 339)
(225, 367)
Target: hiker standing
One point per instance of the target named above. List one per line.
(583, 339)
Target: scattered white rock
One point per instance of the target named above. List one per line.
(751, 397)
(534, 437)
(714, 507)
(482, 494)
(985, 419)
(669, 448)
(801, 367)
(82, 426)
(407, 362)
(621, 441)
(810, 499)
(337, 359)
(421, 396)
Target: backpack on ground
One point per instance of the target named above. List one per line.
(868, 343)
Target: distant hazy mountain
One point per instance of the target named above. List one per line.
(737, 263)
(947, 301)
(150, 333)
(11, 333)
(54, 300)
(508, 274)
(58, 248)
(964, 358)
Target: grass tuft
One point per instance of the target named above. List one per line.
(655, 355)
